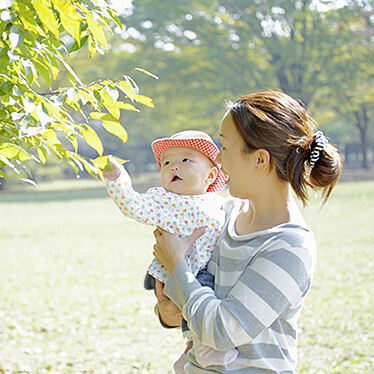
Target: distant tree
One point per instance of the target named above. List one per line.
(288, 43)
(309, 49)
(349, 82)
(37, 35)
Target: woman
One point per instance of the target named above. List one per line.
(264, 260)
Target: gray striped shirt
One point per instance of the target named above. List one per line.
(261, 280)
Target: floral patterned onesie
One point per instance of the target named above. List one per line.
(178, 214)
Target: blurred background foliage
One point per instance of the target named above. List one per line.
(204, 53)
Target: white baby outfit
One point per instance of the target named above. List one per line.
(178, 214)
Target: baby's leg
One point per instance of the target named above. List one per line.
(207, 356)
(178, 365)
(149, 282)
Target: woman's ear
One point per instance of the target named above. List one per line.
(262, 159)
(212, 175)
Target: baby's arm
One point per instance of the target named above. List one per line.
(132, 204)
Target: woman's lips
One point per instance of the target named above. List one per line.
(225, 174)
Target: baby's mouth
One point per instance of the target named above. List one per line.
(176, 178)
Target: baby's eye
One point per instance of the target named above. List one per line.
(186, 160)
(166, 163)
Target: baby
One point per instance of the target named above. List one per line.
(186, 201)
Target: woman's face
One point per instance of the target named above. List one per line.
(236, 164)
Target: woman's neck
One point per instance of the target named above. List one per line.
(270, 209)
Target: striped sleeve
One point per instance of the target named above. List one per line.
(272, 282)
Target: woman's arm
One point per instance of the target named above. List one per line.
(271, 284)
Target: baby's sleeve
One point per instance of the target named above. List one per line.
(132, 204)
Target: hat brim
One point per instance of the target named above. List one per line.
(202, 145)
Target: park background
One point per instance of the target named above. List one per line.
(71, 265)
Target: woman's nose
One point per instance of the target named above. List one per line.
(218, 158)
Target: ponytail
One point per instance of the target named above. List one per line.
(326, 171)
(313, 162)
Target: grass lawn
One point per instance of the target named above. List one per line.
(72, 300)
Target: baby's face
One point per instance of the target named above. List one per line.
(186, 171)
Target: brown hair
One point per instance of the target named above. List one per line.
(283, 126)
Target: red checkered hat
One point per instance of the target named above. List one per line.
(192, 139)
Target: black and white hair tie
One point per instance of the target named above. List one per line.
(317, 146)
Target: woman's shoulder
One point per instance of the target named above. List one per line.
(284, 238)
(296, 234)
(291, 243)
(287, 237)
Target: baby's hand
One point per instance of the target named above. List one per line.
(112, 169)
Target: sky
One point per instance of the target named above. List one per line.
(120, 5)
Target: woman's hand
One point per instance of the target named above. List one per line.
(169, 313)
(171, 250)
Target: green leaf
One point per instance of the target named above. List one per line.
(51, 137)
(91, 45)
(30, 181)
(11, 151)
(43, 116)
(27, 18)
(42, 153)
(71, 72)
(53, 65)
(126, 106)
(145, 100)
(127, 89)
(102, 162)
(23, 155)
(94, 27)
(45, 13)
(111, 124)
(86, 95)
(115, 18)
(43, 71)
(7, 87)
(147, 72)
(92, 139)
(29, 69)
(8, 163)
(110, 104)
(70, 19)
(76, 46)
(73, 140)
(75, 159)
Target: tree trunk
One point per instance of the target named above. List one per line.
(362, 124)
(2, 184)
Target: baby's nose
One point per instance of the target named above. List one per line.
(174, 168)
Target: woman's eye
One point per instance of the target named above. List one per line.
(186, 160)
(166, 163)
